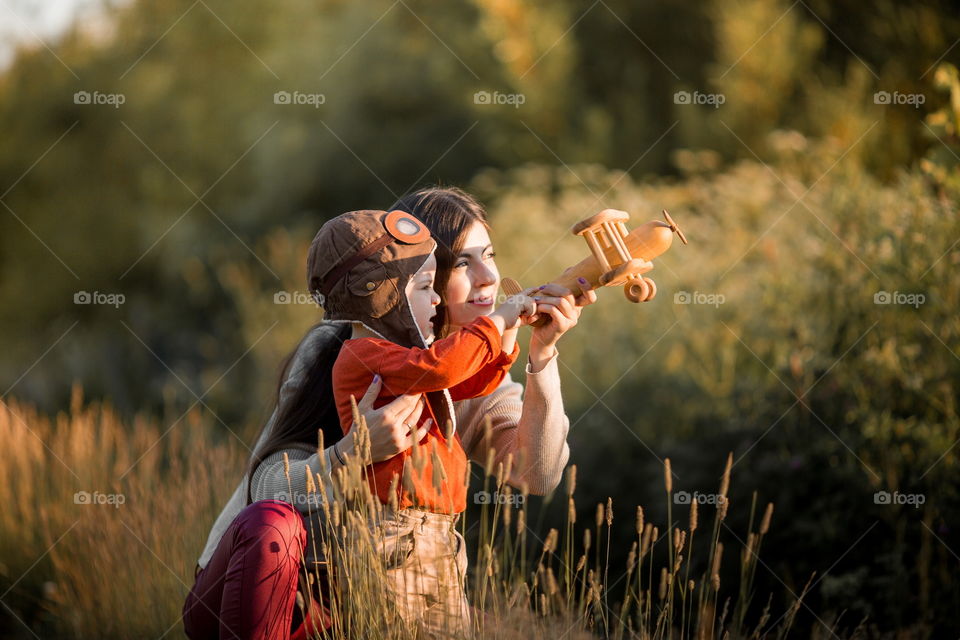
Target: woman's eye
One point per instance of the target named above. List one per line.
(460, 264)
(491, 254)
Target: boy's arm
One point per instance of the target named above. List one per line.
(445, 364)
(488, 378)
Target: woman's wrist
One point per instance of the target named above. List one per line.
(540, 354)
(342, 448)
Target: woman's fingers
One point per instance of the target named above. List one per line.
(530, 291)
(420, 432)
(402, 408)
(555, 291)
(560, 320)
(412, 415)
(587, 296)
(568, 308)
(564, 304)
(370, 395)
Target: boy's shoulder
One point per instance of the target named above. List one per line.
(360, 347)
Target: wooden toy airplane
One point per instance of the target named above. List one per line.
(618, 256)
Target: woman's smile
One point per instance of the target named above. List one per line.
(484, 301)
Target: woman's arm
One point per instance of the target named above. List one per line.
(270, 482)
(388, 437)
(563, 310)
(531, 426)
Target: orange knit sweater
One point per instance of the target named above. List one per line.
(468, 363)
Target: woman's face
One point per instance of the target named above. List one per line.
(474, 279)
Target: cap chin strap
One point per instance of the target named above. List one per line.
(365, 252)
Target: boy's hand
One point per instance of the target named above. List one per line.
(515, 312)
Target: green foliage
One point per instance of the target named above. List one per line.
(106, 199)
(824, 387)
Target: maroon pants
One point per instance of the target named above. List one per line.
(249, 587)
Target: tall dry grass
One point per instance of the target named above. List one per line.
(80, 569)
(93, 568)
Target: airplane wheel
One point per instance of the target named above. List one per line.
(653, 289)
(636, 290)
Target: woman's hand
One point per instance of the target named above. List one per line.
(563, 309)
(390, 426)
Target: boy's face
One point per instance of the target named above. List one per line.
(422, 298)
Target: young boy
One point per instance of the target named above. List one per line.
(376, 270)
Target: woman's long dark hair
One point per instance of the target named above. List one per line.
(448, 212)
(312, 408)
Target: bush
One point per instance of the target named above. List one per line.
(823, 351)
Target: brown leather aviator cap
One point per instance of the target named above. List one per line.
(358, 268)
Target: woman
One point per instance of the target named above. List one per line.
(247, 577)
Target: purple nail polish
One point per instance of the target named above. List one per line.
(543, 286)
(376, 377)
(582, 280)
